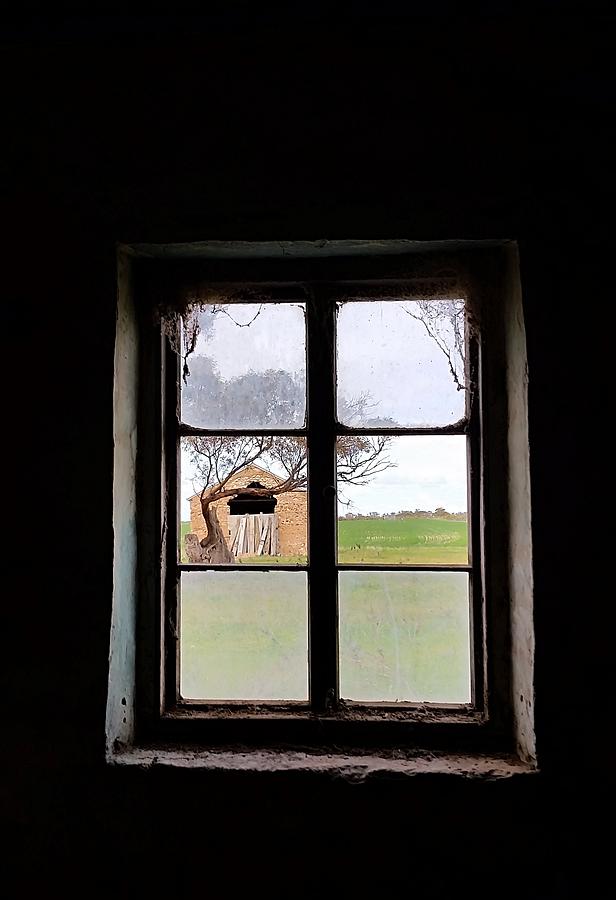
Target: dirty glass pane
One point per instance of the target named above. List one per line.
(404, 636)
(244, 636)
(401, 363)
(410, 507)
(255, 521)
(248, 368)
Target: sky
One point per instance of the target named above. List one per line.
(383, 353)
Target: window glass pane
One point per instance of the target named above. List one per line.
(404, 636)
(254, 491)
(402, 500)
(401, 363)
(248, 368)
(244, 636)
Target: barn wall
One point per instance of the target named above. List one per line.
(292, 512)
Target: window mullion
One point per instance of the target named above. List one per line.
(323, 609)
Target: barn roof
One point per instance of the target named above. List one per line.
(259, 469)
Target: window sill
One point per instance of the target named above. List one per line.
(350, 766)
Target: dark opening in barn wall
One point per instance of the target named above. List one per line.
(247, 502)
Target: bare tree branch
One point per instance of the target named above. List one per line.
(360, 458)
(444, 323)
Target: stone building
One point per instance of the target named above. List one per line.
(289, 511)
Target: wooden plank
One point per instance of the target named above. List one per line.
(251, 533)
(259, 532)
(275, 538)
(268, 533)
(264, 533)
(255, 534)
(240, 537)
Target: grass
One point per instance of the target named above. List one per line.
(388, 541)
(184, 530)
(412, 541)
(273, 560)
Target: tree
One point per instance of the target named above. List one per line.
(216, 459)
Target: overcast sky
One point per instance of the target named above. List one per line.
(382, 353)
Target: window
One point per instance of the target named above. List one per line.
(400, 577)
(323, 507)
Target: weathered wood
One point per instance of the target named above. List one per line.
(264, 533)
(241, 535)
(267, 522)
(254, 534)
(275, 543)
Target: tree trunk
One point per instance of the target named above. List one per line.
(214, 547)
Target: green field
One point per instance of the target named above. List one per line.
(415, 541)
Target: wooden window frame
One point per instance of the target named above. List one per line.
(484, 724)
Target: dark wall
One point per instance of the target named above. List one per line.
(371, 126)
